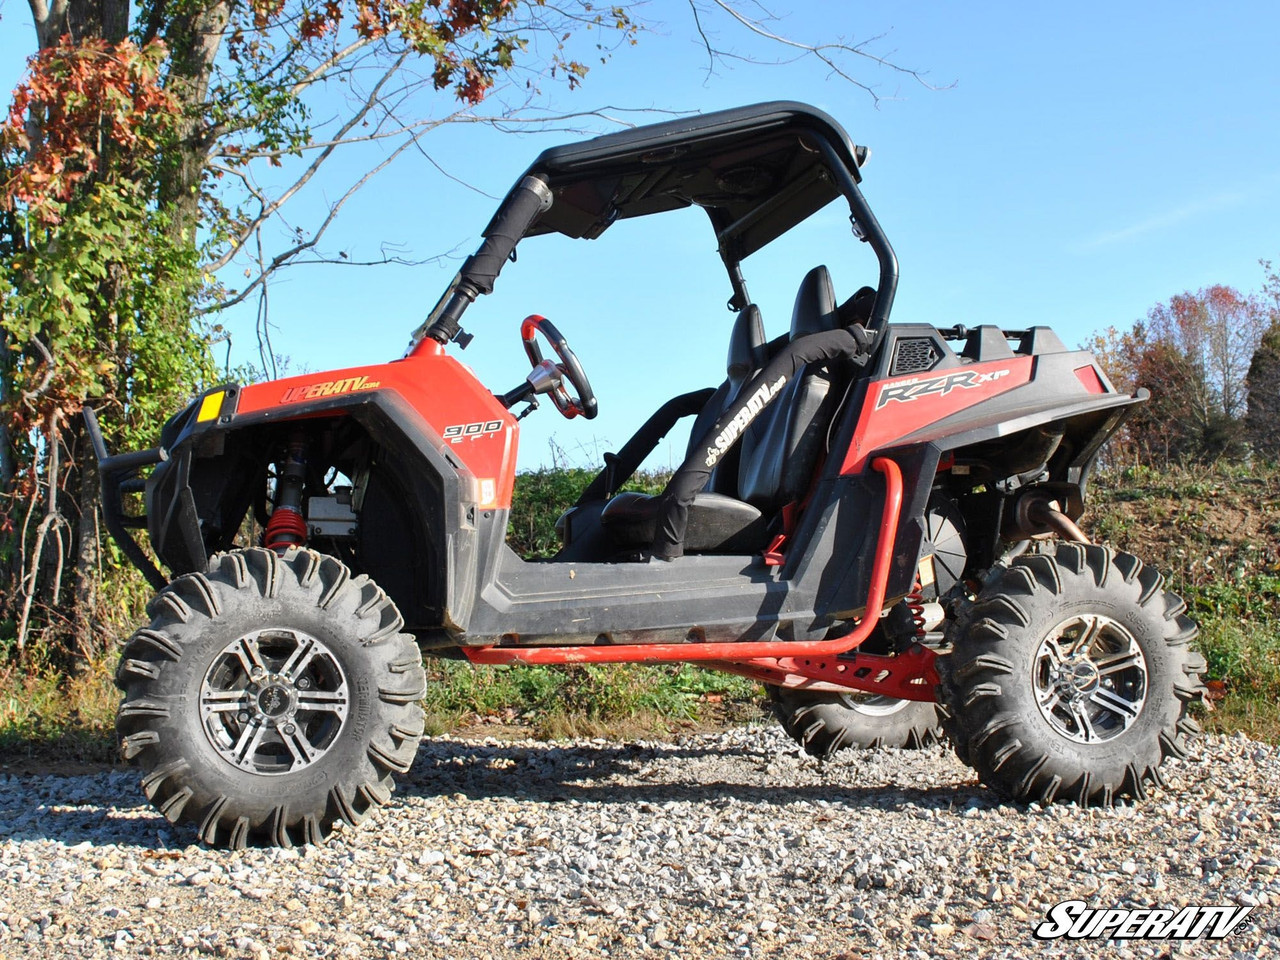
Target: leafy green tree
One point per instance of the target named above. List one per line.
(1262, 423)
(95, 302)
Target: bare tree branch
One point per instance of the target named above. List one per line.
(43, 385)
(286, 256)
(385, 260)
(826, 53)
(413, 132)
(322, 69)
(449, 176)
(52, 519)
(243, 178)
(324, 144)
(369, 103)
(706, 41)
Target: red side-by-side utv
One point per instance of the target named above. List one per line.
(875, 520)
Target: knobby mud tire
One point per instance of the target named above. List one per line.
(193, 620)
(825, 722)
(988, 690)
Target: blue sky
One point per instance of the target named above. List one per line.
(1089, 161)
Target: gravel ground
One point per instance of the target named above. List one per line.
(730, 844)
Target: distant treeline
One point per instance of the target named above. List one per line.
(1211, 360)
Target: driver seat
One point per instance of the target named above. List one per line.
(779, 453)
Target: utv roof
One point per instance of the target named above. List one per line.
(757, 171)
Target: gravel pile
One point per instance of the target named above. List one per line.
(731, 844)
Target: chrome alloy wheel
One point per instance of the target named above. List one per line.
(874, 704)
(274, 701)
(1090, 678)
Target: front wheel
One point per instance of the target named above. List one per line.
(270, 698)
(1070, 678)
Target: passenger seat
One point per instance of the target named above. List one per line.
(718, 517)
(782, 449)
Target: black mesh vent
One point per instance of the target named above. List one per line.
(912, 355)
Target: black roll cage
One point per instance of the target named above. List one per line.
(814, 161)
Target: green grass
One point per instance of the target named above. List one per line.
(45, 715)
(585, 700)
(1215, 534)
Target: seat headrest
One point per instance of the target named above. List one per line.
(815, 310)
(746, 343)
(857, 309)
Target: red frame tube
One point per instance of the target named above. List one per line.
(738, 651)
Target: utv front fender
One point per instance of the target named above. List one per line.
(418, 536)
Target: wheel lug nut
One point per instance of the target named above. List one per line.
(290, 729)
(242, 717)
(304, 684)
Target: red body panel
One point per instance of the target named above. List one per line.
(466, 417)
(898, 406)
(1088, 376)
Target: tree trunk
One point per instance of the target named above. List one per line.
(6, 449)
(87, 557)
(194, 39)
(82, 19)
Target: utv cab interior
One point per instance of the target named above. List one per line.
(757, 172)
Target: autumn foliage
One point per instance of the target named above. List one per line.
(444, 30)
(1193, 353)
(83, 106)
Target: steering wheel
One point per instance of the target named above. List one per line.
(568, 368)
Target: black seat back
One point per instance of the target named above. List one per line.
(746, 357)
(782, 448)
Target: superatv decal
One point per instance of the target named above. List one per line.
(1076, 920)
(460, 431)
(909, 390)
(733, 429)
(329, 388)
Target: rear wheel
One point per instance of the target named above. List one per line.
(270, 698)
(825, 722)
(1070, 678)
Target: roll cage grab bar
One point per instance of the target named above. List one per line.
(532, 197)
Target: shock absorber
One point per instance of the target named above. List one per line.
(286, 526)
(915, 603)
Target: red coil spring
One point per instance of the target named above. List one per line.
(285, 529)
(915, 603)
